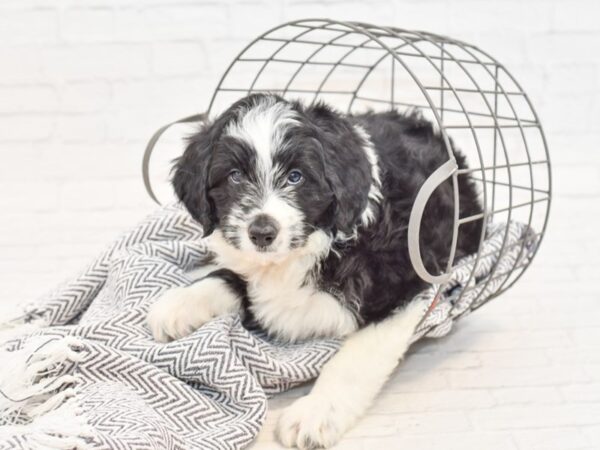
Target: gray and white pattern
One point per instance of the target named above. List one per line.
(91, 376)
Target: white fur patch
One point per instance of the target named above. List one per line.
(292, 314)
(263, 127)
(284, 303)
(181, 311)
(375, 196)
(349, 382)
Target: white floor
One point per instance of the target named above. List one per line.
(521, 373)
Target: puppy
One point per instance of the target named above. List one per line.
(305, 211)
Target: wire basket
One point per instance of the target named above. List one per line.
(469, 96)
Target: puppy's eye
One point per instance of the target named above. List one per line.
(235, 176)
(294, 177)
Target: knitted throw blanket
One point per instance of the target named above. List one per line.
(84, 372)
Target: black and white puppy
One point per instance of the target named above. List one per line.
(306, 213)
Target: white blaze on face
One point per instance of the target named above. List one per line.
(263, 128)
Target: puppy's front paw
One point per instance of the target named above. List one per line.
(312, 422)
(177, 313)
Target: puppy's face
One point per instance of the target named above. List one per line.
(262, 175)
(267, 181)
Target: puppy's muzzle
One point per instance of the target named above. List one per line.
(263, 230)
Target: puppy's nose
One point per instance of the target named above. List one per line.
(263, 230)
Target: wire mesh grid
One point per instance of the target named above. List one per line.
(470, 97)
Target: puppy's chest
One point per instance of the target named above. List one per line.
(275, 293)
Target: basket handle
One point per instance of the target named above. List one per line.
(440, 175)
(150, 147)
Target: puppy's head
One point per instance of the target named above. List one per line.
(268, 173)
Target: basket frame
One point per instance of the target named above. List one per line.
(374, 38)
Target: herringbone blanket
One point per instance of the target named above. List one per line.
(88, 374)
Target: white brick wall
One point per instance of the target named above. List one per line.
(84, 83)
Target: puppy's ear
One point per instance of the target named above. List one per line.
(350, 189)
(347, 168)
(190, 178)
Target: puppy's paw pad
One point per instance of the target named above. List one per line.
(311, 422)
(177, 313)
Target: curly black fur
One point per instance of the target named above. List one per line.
(376, 268)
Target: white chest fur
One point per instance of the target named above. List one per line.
(283, 297)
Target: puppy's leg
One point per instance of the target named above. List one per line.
(181, 311)
(349, 382)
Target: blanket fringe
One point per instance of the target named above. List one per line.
(60, 429)
(38, 378)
